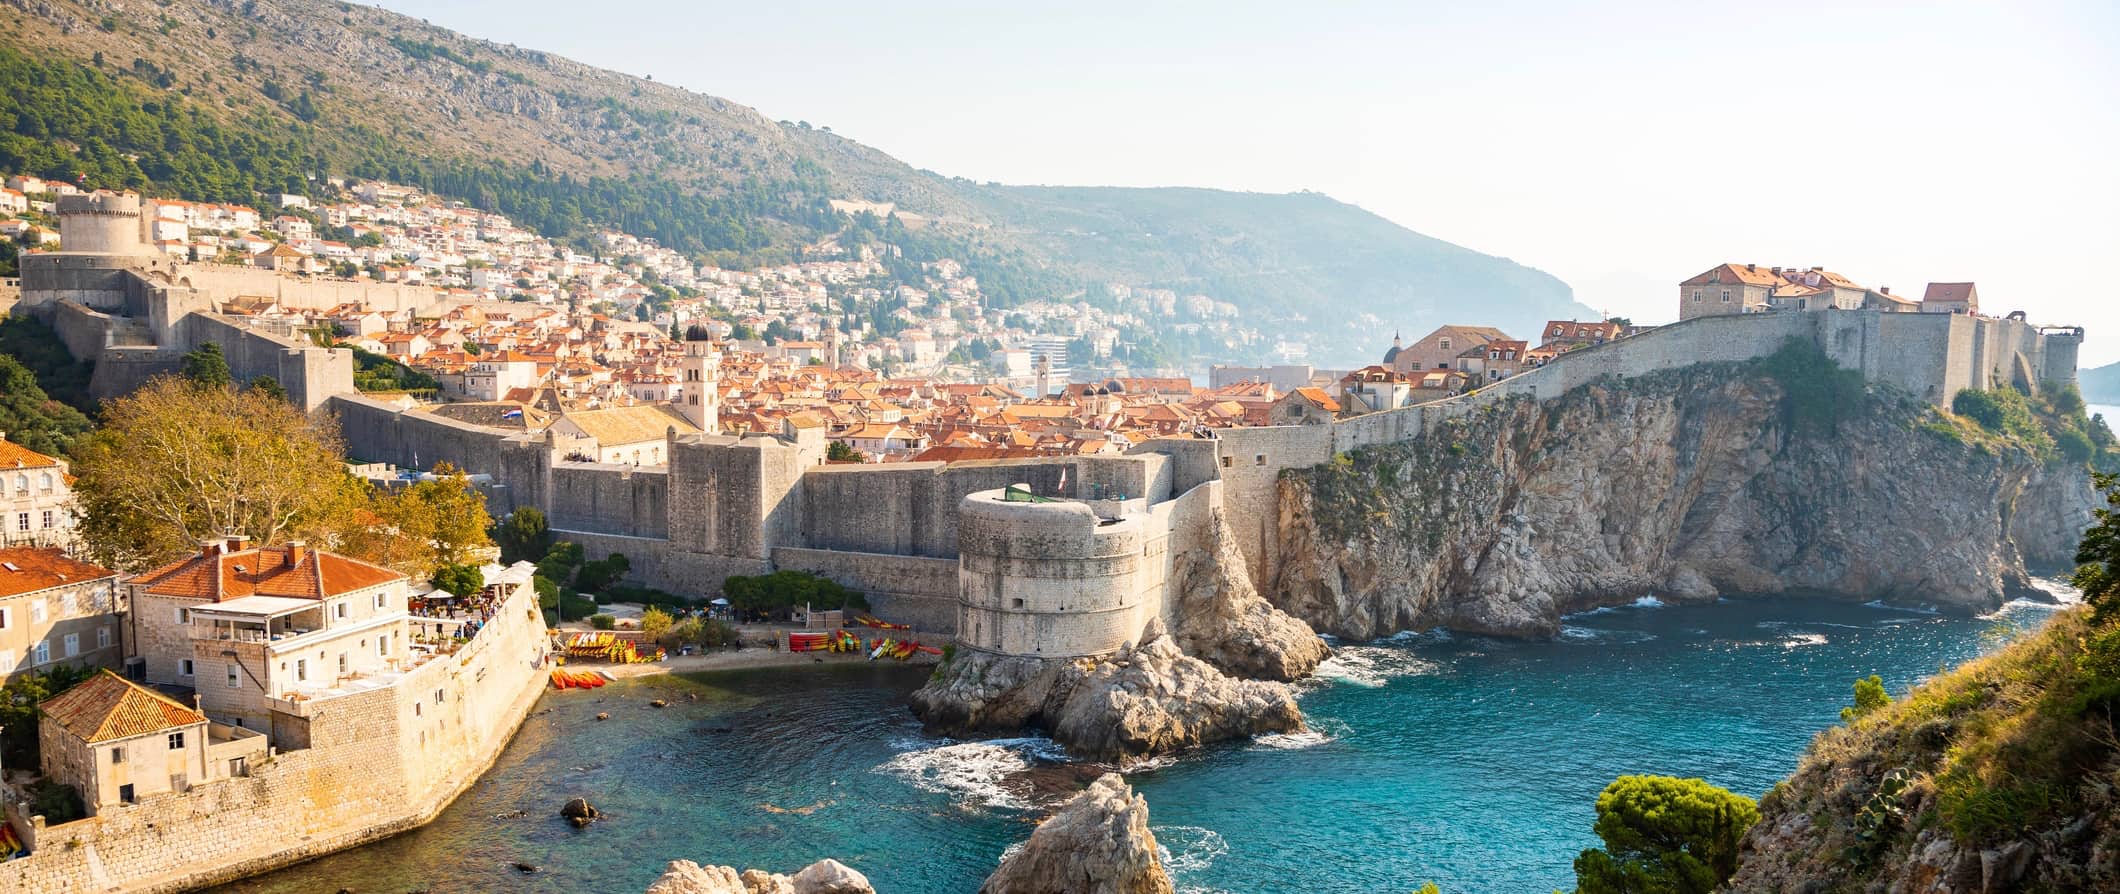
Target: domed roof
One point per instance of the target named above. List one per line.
(1392, 354)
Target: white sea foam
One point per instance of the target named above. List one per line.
(2061, 591)
(972, 773)
(1188, 848)
(1648, 602)
(1916, 609)
(1325, 730)
(1372, 666)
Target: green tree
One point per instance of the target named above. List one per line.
(1664, 836)
(842, 452)
(460, 580)
(2098, 554)
(268, 386)
(31, 417)
(524, 536)
(1869, 696)
(18, 709)
(206, 367)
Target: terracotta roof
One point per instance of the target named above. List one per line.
(1749, 274)
(16, 456)
(107, 707)
(266, 571)
(1319, 397)
(1954, 292)
(27, 570)
(615, 426)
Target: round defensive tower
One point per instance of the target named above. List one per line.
(102, 223)
(1049, 579)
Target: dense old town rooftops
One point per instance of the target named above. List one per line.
(107, 707)
(227, 570)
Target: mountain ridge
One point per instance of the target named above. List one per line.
(365, 90)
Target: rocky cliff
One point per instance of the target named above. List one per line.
(1776, 476)
(1099, 843)
(1222, 620)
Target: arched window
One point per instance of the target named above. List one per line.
(44, 481)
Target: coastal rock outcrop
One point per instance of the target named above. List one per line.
(1222, 619)
(1710, 479)
(1099, 843)
(1151, 699)
(821, 877)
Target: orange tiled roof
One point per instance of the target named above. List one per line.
(16, 456)
(265, 571)
(28, 569)
(107, 707)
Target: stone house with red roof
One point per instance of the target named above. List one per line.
(256, 629)
(117, 742)
(36, 498)
(56, 610)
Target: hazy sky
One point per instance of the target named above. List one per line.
(1621, 148)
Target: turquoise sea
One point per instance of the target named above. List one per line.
(1468, 761)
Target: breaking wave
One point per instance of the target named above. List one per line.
(1372, 666)
(974, 774)
(1188, 848)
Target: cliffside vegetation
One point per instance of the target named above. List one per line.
(2054, 425)
(2000, 774)
(39, 387)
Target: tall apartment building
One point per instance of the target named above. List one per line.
(56, 610)
(36, 503)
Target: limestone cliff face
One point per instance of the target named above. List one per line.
(1099, 843)
(1152, 699)
(1222, 620)
(1682, 485)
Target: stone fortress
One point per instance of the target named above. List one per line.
(937, 545)
(117, 301)
(942, 546)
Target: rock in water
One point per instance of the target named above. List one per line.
(580, 812)
(1150, 700)
(831, 877)
(821, 877)
(1099, 843)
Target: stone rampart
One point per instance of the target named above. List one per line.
(614, 499)
(915, 590)
(387, 760)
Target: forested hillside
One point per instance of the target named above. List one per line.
(223, 99)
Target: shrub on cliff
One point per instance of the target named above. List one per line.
(1816, 392)
(1869, 696)
(1664, 834)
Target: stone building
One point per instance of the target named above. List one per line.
(256, 631)
(56, 610)
(36, 498)
(1440, 349)
(1950, 298)
(116, 742)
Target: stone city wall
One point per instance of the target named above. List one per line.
(915, 590)
(388, 760)
(614, 499)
